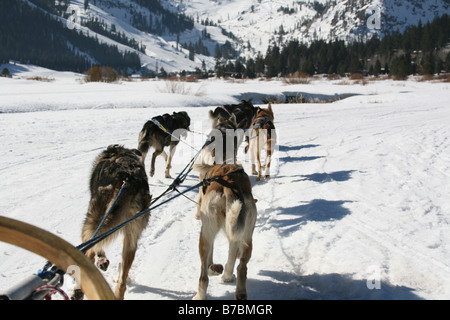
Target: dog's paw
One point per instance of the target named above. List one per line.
(199, 297)
(102, 264)
(215, 269)
(228, 278)
(77, 294)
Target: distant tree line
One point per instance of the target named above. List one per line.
(419, 49)
(160, 19)
(29, 35)
(100, 27)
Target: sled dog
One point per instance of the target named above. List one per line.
(223, 142)
(163, 131)
(116, 167)
(244, 112)
(225, 204)
(262, 135)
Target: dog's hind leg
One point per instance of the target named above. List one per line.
(128, 254)
(241, 285)
(205, 248)
(152, 166)
(214, 269)
(252, 148)
(233, 249)
(270, 147)
(268, 160)
(169, 160)
(258, 155)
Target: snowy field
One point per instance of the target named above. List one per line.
(357, 208)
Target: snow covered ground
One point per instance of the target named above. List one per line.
(357, 207)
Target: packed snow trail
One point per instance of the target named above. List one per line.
(357, 206)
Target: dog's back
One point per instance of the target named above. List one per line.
(231, 195)
(114, 166)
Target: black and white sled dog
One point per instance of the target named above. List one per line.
(160, 132)
(115, 169)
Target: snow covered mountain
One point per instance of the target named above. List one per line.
(178, 35)
(161, 36)
(258, 23)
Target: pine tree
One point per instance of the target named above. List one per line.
(429, 64)
(5, 73)
(447, 63)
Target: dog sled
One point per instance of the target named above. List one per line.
(61, 254)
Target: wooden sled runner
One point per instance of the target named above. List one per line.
(57, 251)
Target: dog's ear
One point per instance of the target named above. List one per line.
(270, 106)
(211, 115)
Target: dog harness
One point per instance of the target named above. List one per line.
(219, 179)
(159, 125)
(225, 109)
(262, 123)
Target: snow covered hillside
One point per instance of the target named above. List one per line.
(247, 27)
(357, 207)
(161, 49)
(262, 22)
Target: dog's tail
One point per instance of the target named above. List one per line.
(202, 168)
(235, 215)
(144, 140)
(238, 211)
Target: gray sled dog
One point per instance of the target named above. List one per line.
(160, 132)
(116, 167)
(226, 204)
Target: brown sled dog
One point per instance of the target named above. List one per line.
(262, 135)
(226, 204)
(115, 167)
(154, 136)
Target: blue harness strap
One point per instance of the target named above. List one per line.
(262, 123)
